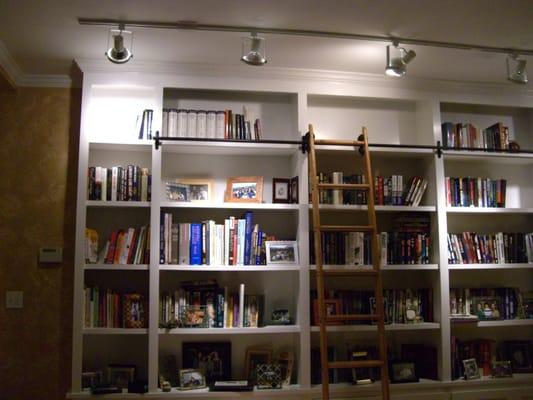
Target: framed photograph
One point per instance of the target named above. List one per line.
(360, 376)
(133, 311)
(192, 379)
(519, 353)
(402, 372)
(214, 358)
(471, 369)
(281, 190)
(245, 189)
(281, 252)
(255, 356)
(333, 307)
(91, 379)
(501, 369)
(285, 360)
(120, 375)
(487, 308)
(281, 316)
(294, 190)
(177, 191)
(200, 190)
(193, 317)
(269, 376)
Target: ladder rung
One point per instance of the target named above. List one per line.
(339, 142)
(348, 272)
(352, 317)
(344, 186)
(355, 364)
(346, 228)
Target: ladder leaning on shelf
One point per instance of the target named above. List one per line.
(321, 273)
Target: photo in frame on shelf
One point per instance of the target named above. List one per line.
(201, 190)
(487, 308)
(519, 353)
(177, 191)
(255, 356)
(403, 372)
(192, 379)
(193, 317)
(360, 376)
(471, 369)
(282, 252)
(501, 369)
(269, 376)
(121, 375)
(281, 190)
(214, 358)
(294, 190)
(90, 379)
(244, 189)
(281, 316)
(133, 311)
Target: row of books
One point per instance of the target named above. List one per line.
(106, 308)
(392, 191)
(475, 192)
(488, 303)
(354, 248)
(130, 183)
(210, 124)
(400, 305)
(203, 304)
(491, 248)
(123, 246)
(341, 196)
(467, 135)
(236, 242)
(486, 351)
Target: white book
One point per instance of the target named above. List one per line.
(104, 184)
(144, 184)
(114, 183)
(127, 243)
(227, 223)
(337, 194)
(172, 130)
(241, 232)
(420, 193)
(241, 305)
(220, 254)
(383, 243)
(164, 128)
(212, 242)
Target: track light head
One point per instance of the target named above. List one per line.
(119, 53)
(397, 60)
(256, 55)
(516, 69)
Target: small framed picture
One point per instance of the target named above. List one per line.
(471, 369)
(133, 311)
(281, 252)
(200, 190)
(255, 356)
(501, 369)
(214, 358)
(286, 362)
(120, 375)
(333, 307)
(487, 308)
(294, 190)
(244, 189)
(403, 372)
(177, 191)
(91, 379)
(192, 379)
(269, 376)
(193, 316)
(519, 353)
(281, 190)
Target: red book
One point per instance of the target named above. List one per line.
(112, 246)
(133, 246)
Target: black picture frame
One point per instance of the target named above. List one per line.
(487, 308)
(214, 358)
(281, 190)
(403, 372)
(519, 353)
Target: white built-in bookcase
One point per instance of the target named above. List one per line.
(393, 114)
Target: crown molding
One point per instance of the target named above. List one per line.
(303, 74)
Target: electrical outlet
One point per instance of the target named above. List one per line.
(14, 298)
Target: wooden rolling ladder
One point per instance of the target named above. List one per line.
(321, 273)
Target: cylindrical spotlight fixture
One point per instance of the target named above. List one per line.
(397, 59)
(254, 50)
(120, 45)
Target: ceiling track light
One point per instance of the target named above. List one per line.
(516, 69)
(397, 60)
(254, 50)
(118, 51)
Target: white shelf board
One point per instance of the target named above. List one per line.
(237, 206)
(229, 268)
(230, 148)
(269, 329)
(131, 145)
(372, 328)
(392, 267)
(505, 158)
(392, 152)
(488, 210)
(121, 204)
(505, 323)
(357, 207)
(114, 331)
(116, 267)
(471, 267)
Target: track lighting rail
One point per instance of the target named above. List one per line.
(192, 25)
(303, 143)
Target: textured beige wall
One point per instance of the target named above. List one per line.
(39, 130)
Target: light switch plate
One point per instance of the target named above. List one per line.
(14, 298)
(50, 255)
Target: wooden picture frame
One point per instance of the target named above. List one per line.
(333, 307)
(120, 375)
(192, 379)
(281, 252)
(281, 190)
(244, 189)
(212, 357)
(254, 356)
(402, 372)
(201, 190)
(286, 360)
(471, 369)
(294, 190)
(133, 311)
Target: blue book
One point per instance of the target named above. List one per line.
(196, 244)
(248, 237)
(259, 244)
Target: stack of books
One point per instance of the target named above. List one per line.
(467, 135)
(130, 183)
(475, 192)
(392, 191)
(104, 308)
(124, 246)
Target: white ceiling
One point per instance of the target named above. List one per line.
(44, 37)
